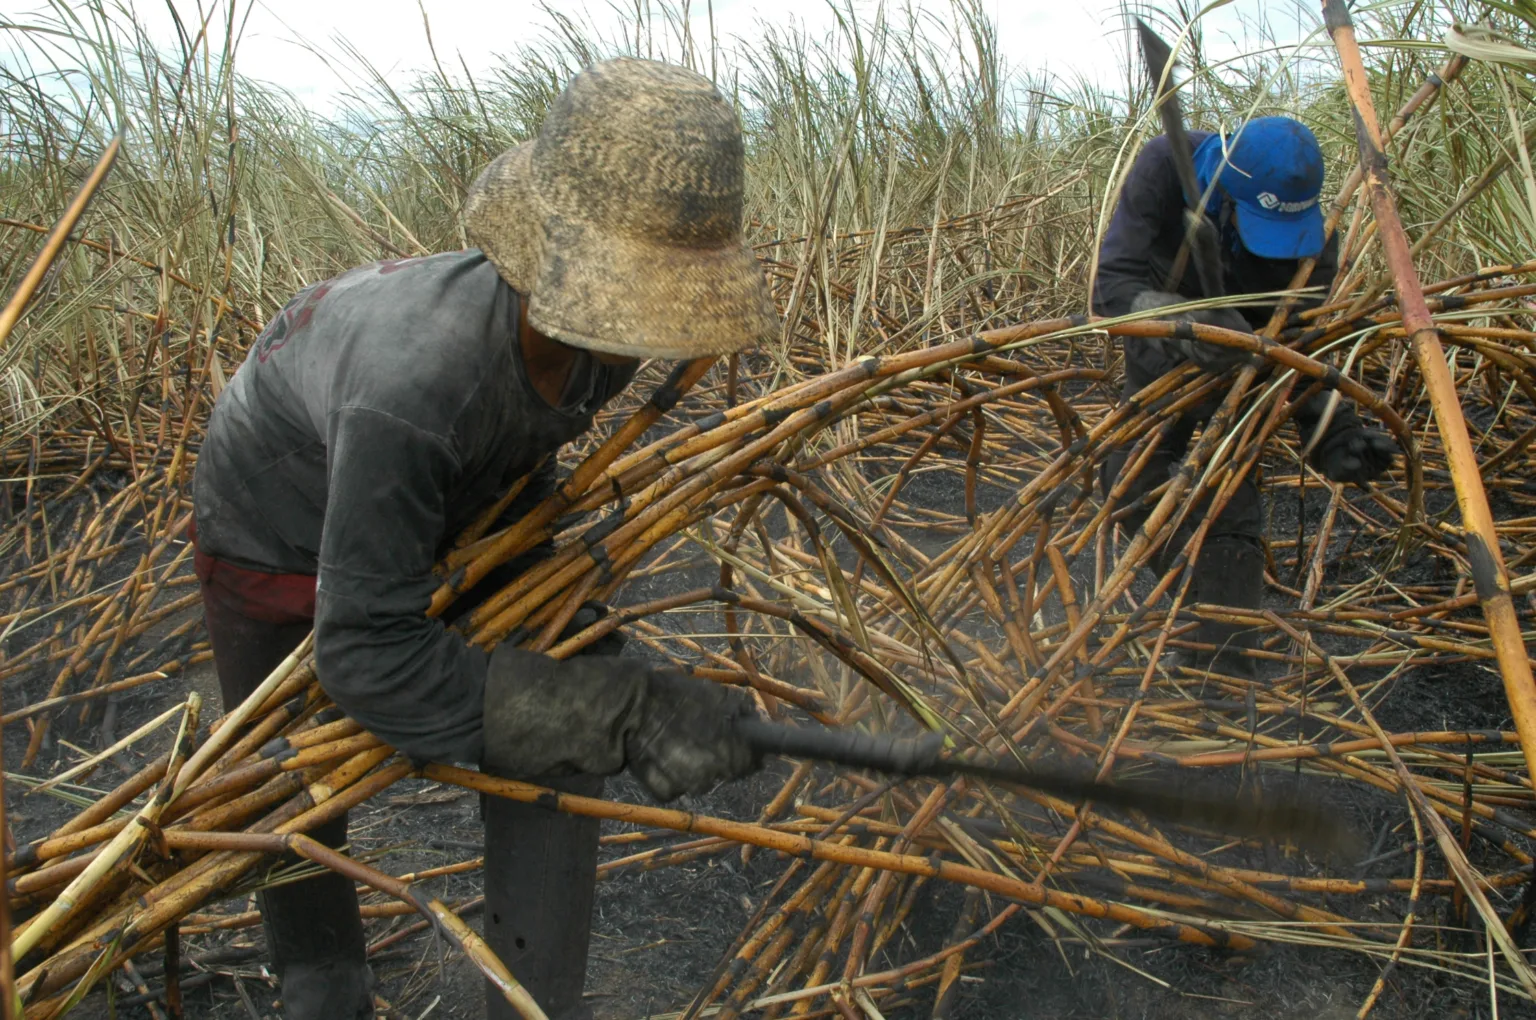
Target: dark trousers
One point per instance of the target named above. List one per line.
(315, 920)
(1229, 570)
(540, 864)
(1241, 518)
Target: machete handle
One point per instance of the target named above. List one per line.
(899, 755)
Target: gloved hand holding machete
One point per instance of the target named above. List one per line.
(598, 714)
(679, 734)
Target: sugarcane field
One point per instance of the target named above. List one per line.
(695, 510)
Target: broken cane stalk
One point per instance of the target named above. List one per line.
(1489, 577)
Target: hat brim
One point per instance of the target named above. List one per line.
(501, 214)
(1273, 234)
(611, 293)
(640, 298)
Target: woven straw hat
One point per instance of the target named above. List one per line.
(621, 221)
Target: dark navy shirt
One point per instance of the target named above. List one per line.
(1147, 230)
(1138, 254)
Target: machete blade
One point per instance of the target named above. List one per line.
(1155, 52)
(1278, 819)
(1198, 242)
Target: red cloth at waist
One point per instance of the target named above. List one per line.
(268, 597)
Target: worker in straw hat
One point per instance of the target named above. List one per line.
(1260, 186)
(383, 410)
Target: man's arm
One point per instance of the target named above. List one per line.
(1138, 249)
(402, 675)
(1150, 202)
(1347, 450)
(420, 687)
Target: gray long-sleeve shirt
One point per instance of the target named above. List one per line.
(376, 416)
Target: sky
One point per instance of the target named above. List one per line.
(1069, 38)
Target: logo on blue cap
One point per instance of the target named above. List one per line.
(1272, 169)
(1272, 201)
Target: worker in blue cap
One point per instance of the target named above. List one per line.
(1260, 185)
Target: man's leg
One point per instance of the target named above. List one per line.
(1109, 475)
(540, 882)
(1154, 472)
(1230, 568)
(540, 864)
(1230, 572)
(314, 930)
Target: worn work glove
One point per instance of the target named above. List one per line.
(1354, 453)
(1211, 357)
(599, 714)
(686, 740)
(611, 643)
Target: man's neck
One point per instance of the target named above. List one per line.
(546, 362)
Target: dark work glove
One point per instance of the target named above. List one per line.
(611, 643)
(686, 740)
(1354, 453)
(599, 714)
(1211, 357)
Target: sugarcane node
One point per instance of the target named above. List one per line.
(1485, 570)
(593, 536)
(278, 749)
(710, 421)
(1336, 15)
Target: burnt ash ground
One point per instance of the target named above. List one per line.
(659, 934)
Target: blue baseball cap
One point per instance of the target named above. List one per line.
(1273, 173)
